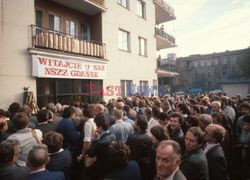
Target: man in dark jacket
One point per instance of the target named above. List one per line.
(97, 155)
(140, 145)
(194, 164)
(38, 157)
(9, 152)
(215, 156)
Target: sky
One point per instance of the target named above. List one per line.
(207, 26)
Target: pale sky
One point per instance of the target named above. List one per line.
(207, 26)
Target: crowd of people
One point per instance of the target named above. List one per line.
(201, 137)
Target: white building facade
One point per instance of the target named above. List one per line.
(79, 50)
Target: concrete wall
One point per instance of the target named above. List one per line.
(129, 65)
(233, 89)
(15, 62)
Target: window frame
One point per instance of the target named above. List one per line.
(120, 46)
(142, 10)
(127, 6)
(145, 46)
(60, 22)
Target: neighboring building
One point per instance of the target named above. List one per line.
(207, 71)
(167, 79)
(64, 49)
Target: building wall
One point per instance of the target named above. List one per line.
(234, 89)
(129, 65)
(15, 62)
(207, 71)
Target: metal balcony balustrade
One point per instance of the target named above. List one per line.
(163, 34)
(53, 40)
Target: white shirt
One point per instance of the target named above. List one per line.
(89, 130)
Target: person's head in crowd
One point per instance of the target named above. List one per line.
(9, 151)
(163, 118)
(98, 108)
(53, 140)
(166, 107)
(195, 109)
(194, 139)
(142, 103)
(64, 107)
(224, 101)
(141, 123)
(78, 112)
(216, 106)
(26, 109)
(118, 114)
(216, 118)
(119, 105)
(132, 114)
(126, 109)
(205, 102)
(192, 121)
(3, 125)
(176, 120)
(182, 108)
(214, 134)
(148, 113)
(244, 108)
(68, 112)
(38, 157)
(205, 120)
(3, 113)
(155, 112)
(246, 122)
(118, 154)
(58, 107)
(42, 116)
(158, 134)
(20, 120)
(168, 158)
(14, 108)
(102, 123)
(89, 111)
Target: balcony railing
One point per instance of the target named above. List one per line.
(164, 35)
(165, 5)
(53, 40)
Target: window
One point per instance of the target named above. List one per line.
(71, 28)
(141, 9)
(85, 31)
(39, 18)
(124, 40)
(126, 87)
(124, 3)
(55, 23)
(144, 88)
(142, 46)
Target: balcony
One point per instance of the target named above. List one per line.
(51, 40)
(163, 12)
(90, 7)
(163, 39)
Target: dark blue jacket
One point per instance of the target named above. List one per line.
(71, 137)
(46, 175)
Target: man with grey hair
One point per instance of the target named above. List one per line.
(204, 121)
(168, 159)
(121, 129)
(38, 157)
(9, 152)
